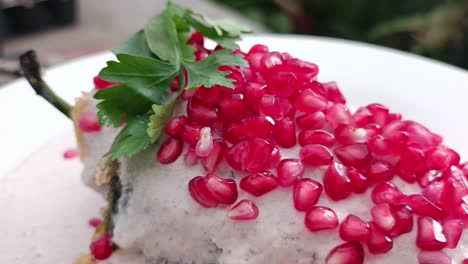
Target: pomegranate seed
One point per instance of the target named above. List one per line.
(320, 218)
(379, 170)
(404, 220)
(309, 102)
(379, 113)
(186, 94)
(259, 183)
(315, 120)
(386, 192)
(190, 157)
(199, 113)
(441, 158)
(258, 126)
(306, 194)
(336, 183)
(102, 248)
(89, 123)
(222, 190)
(316, 155)
(453, 230)
(258, 48)
(269, 61)
(196, 39)
(383, 217)
(257, 158)
(464, 167)
(379, 145)
(282, 83)
(372, 130)
(236, 155)
(100, 84)
(234, 107)
(216, 155)
(421, 136)
(434, 257)
(243, 210)
(347, 135)
(452, 192)
(175, 126)
(170, 150)
(306, 70)
(70, 154)
(289, 171)
(234, 132)
(284, 133)
(412, 160)
(200, 193)
(274, 158)
(270, 106)
(356, 155)
(433, 191)
(201, 54)
(210, 96)
(430, 236)
(334, 93)
(254, 93)
(354, 228)
(358, 181)
(205, 143)
(94, 222)
(429, 177)
(347, 253)
(191, 134)
(378, 242)
(423, 207)
(321, 137)
(362, 117)
(338, 114)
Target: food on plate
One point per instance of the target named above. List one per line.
(218, 155)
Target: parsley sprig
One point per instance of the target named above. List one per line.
(149, 61)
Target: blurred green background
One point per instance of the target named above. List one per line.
(434, 28)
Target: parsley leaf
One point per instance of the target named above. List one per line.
(146, 76)
(132, 139)
(136, 45)
(206, 73)
(157, 121)
(118, 102)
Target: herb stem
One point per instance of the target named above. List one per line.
(32, 72)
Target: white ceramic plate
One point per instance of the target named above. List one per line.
(45, 207)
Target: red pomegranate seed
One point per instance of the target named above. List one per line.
(224, 191)
(190, 157)
(347, 253)
(259, 183)
(379, 170)
(320, 218)
(334, 93)
(216, 155)
(70, 154)
(421, 136)
(319, 136)
(372, 130)
(379, 113)
(404, 220)
(201, 54)
(102, 248)
(284, 133)
(258, 156)
(383, 216)
(358, 181)
(306, 194)
(434, 257)
(236, 155)
(429, 177)
(200, 193)
(309, 102)
(453, 192)
(430, 236)
(258, 126)
(338, 114)
(170, 150)
(452, 230)
(191, 134)
(362, 117)
(464, 167)
(305, 70)
(269, 61)
(347, 135)
(175, 126)
(433, 192)
(441, 158)
(315, 120)
(258, 48)
(412, 160)
(336, 183)
(94, 222)
(465, 261)
(234, 108)
(270, 106)
(243, 210)
(186, 94)
(100, 84)
(196, 39)
(289, 171)
(89, 123)
(354, 228)
(254, 93)
(205, 143)
(234, 132)
(423, 207)
(378, 242)
(210, 96)
(200, 113)
(281, 83)
(356, 155)
(379, 145)
(386, 192)
(316, 155)
(274, 159)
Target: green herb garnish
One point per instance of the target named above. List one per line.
(146, 65)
